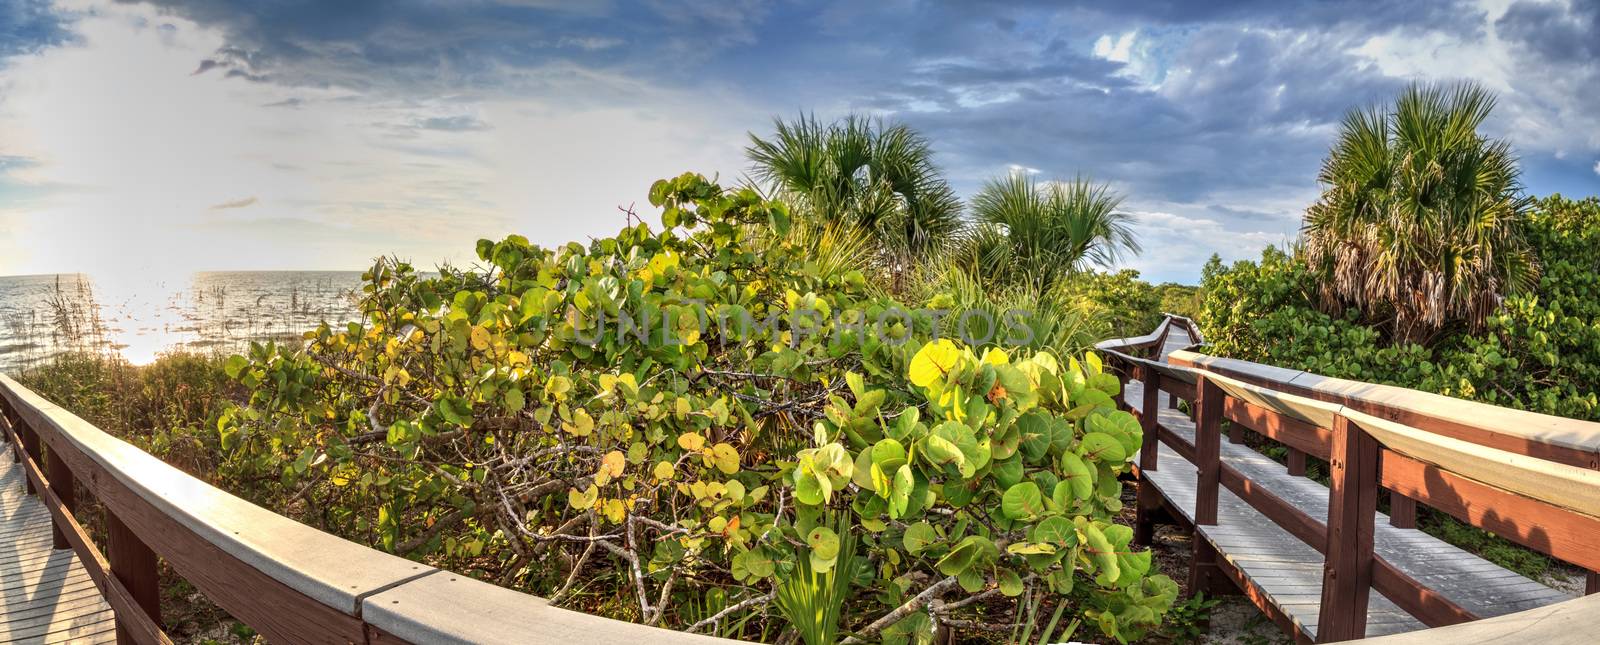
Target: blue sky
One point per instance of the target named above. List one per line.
(166, 137)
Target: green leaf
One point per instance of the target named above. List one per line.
(1021, 501)
(1077, 475)
(889, 454)
(235, 365)
(1103, 554)
(1010, 583)
(824, 543)
(900, 497)
(1101, 447)
(918, 537)
(1056, 531)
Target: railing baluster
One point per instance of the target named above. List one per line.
(1207, 449)
(66, 490)
(1297, 462)
(135, 565)
(1148, 416)
(30, 446)
(1148, 498)
(1205, 571)
(1402, 511)
(1347, 561)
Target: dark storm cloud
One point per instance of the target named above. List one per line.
(1554, 32)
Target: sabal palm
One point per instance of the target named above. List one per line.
(1035, 233)
(879, 176)
(1422, 220)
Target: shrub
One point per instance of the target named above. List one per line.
(489, 421)
(1539, 351)
(1422, 223)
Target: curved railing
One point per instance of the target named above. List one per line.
(288, 581)
(1531, 478)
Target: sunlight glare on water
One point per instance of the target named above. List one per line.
(138, 315)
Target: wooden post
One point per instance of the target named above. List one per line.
(1207, 449)
(135, 565)
(1235, 433)
(1205, 571)
(1122, 391)
(1149, 499)
(1347, 561)
(1149, 417)
(1402, 511)
(1592, 585)
(61, 482)
(15, 424)
(1297, 462)
(30, 447)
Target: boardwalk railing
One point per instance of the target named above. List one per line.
(1531, 478)
(288, 581)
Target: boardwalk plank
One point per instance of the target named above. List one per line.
(46, 596)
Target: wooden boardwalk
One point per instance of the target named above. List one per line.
(46, 595)
(1288, 573)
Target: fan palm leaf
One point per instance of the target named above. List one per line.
(1421, 222)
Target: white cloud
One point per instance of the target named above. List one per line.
(1597, 167)
(149, 168)
(1119, 49)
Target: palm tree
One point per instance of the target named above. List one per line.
(879, 177)
(1422, 221)
(1033, 233)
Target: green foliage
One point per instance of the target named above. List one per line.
(1538, 351)
(1422, 222)
(1186, 621)
(1038, 234)
(487, 420)
(165, 407)
(812, 597)
(877, 176)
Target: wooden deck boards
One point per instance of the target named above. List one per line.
(1288, 572)
(46, 596)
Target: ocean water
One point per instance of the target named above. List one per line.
(138, 318)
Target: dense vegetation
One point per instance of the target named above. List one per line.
(1539, 351)
(1421, 225)
(496, 421)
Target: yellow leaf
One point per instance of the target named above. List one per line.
(582, 424)
(583, 500)
(725, 458)
(996, 356)
(615, 511)
(480, 338)
(691, 441)
(933, 362)
(664, 470)
(611, 467)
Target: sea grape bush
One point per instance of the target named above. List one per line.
(1539, 351)
(631, 474)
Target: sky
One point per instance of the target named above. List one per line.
(160, 138)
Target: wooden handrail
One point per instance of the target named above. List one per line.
(288, 581)
(1275, 402)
